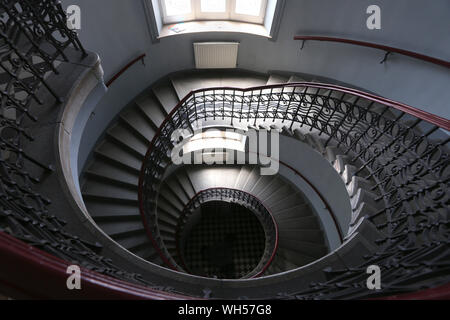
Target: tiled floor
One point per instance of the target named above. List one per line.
(227, 243)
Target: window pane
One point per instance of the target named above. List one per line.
(248, 7)
(177, 7)
(213, 5)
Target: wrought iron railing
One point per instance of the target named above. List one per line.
(244, 199)
(401, 150)
(387, 49)
(34, 38)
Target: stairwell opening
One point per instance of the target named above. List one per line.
(224, 240)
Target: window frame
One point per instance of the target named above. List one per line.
(197, 15)
(200, 15)
(178, 18)
(248, 18)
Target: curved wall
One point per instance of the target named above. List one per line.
(117, 30)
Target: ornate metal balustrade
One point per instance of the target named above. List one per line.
(33, 39)
(243, 199)
(401, 151)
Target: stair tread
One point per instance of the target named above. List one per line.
(107, 169)
(94, 187)
(118, 154)
(152, 109)
(166, 95)
(139, 124)
(98, 208)
(128, 139)
(121, 226)
(277, 79)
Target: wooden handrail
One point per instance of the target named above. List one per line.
(33, 273)
(118, 74)
(388, 49)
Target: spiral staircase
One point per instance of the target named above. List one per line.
(131, 221)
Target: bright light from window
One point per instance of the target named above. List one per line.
(248, 7)
(216, 139)
(178, 7)
(213, 5)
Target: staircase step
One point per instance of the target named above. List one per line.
(127, 140)
(242, 177)
(365, 196)
(94, 187)
(147, 252)
(277, 194)
(167, 209)
(290, 201)
(106, 209)
(310, 223)
(109, 179)
(251, 180)
(177, 190)
(186, 184)
(294, 79)
(107, 198)
(349, 173)
(358, 183)
(166, 95)
(106, 169)
(277, 79)
(315, 142)
(307, 235)
(301, 210)
(122, 227)
(339, 164)
(135, 241)
(139, 124)
(171, 198)
(261, 185)
(296, 257)
(308, 248)
(151, 108)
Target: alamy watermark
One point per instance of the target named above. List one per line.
(374, 280)
(374, 20)
(73, 282)
(73, 13)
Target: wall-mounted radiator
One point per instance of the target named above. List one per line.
(220, 55)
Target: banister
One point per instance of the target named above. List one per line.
(125, 68)
(423, 115)
(411, 54)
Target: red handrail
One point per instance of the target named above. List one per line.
(412, 54)
(32, 273)
(118, 74)
(29, 272)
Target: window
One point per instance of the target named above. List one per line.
(216, 139)
(252, 11)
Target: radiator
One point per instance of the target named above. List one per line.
(220, 55)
